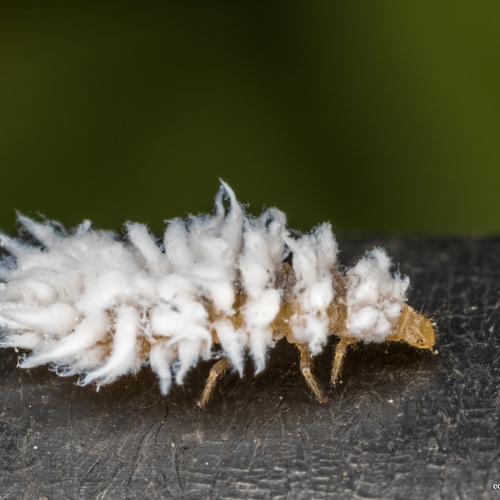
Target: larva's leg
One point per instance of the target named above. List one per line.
(216, 371)
(340, 351)
(305, 368)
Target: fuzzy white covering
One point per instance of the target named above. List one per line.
(89, 303)
(374, 297)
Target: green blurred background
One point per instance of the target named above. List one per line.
(378, 116)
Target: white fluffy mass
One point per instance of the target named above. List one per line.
(374, 297)
(88, 302)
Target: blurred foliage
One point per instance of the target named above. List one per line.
(377, 116)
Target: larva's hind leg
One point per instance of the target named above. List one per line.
(340, 351)
(216, 371)
(305, 368)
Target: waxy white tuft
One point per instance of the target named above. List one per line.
(374, 297)
(91, 304)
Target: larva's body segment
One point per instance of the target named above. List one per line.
(93, 305)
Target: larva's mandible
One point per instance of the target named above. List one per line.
(89, 303)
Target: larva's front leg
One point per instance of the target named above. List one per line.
(305, 368)
(340, 351)
(216, 371)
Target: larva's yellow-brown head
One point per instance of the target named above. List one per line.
(414, 329)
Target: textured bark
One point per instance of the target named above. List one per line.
(403, 424)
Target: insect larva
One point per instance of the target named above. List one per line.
(89, 303)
